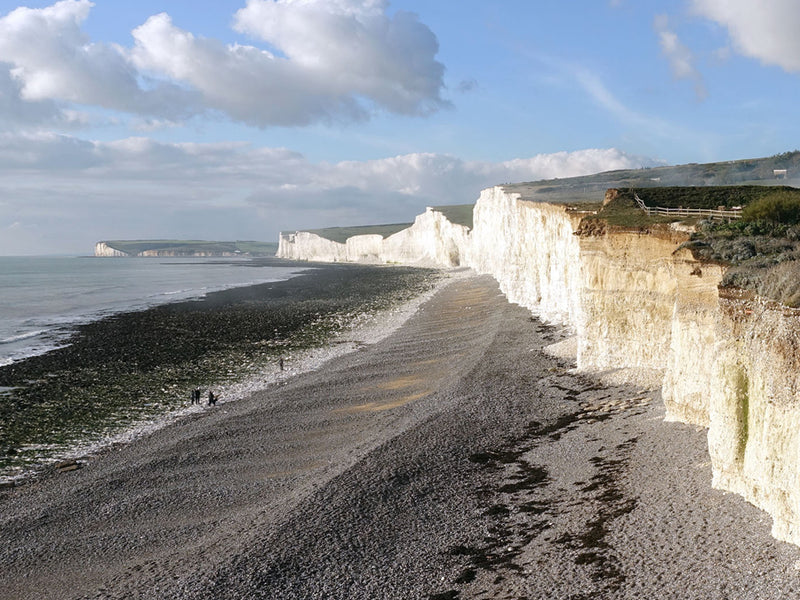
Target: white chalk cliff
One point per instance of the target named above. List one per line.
(432, 240)
(635, 302)
(103, 249)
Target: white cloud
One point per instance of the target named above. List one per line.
(353, 48)
(679, 56)
(80, 191)
(766, 30)
(16, 113)
(333, 61)
(52, 59)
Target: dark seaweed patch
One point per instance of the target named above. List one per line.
(520, 485)
(593, 548)
(530, 478)
(468, 576)
(497, 510)
(449, 595)
(503, 457)
(131, 366)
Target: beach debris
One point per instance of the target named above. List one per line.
(7, 485)
(65, 466)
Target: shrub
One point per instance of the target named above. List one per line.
(782, 207)
(780, 281)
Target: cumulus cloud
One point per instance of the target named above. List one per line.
(353, 47)
(17, 113)
(679, 56)
(52, 59)
(327, 61)
(766, 30)
(74, 189)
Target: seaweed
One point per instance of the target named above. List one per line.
(133, 366)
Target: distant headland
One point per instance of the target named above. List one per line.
(186, 248)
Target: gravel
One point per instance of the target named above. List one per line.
(452, 459)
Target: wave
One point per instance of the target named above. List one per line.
(23, 336)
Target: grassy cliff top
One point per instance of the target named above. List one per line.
(622, 211)
(340, 234)
(761, 249)
(251, 248)
(704, 196)
(458, 214)
(752, 171)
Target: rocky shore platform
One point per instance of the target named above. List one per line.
(132, 370)
(453, 459)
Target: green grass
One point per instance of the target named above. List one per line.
(710, 197)
(781, 207)
(757, 171)
(458, 214)
(623, 211)
(340, 234)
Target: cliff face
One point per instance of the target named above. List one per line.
(754, 433)
(431, 240)
(531, 250)
(638, 302)
(303, 245)
(691, 360)
(639, 306)
(103, 249)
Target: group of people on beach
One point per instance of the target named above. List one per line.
(212, 399)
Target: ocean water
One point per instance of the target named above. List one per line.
(43, 298)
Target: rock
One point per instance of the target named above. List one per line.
(65, 466)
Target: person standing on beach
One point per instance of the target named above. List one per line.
(280, 362)
(211, 398)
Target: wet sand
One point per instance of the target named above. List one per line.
(454, 459)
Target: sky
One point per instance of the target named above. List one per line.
(237, 119)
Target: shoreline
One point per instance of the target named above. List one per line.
(366, 332)
(56, 329)
(455, 459)
(238, 376)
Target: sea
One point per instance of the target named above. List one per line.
(42, 298)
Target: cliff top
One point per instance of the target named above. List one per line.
(340, 234)
(778, 169)
(188, 247)
(458, 214)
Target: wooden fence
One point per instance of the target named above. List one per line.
(706, 213)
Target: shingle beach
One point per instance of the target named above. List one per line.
(452, 459)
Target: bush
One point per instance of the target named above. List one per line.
(780, 282)
(781, 207)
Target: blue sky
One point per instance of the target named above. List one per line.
(238, 119)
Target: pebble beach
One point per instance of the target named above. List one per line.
(442, 454)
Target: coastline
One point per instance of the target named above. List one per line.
(452, 460)
(306, 340)
(366, 329)
(47, 298)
